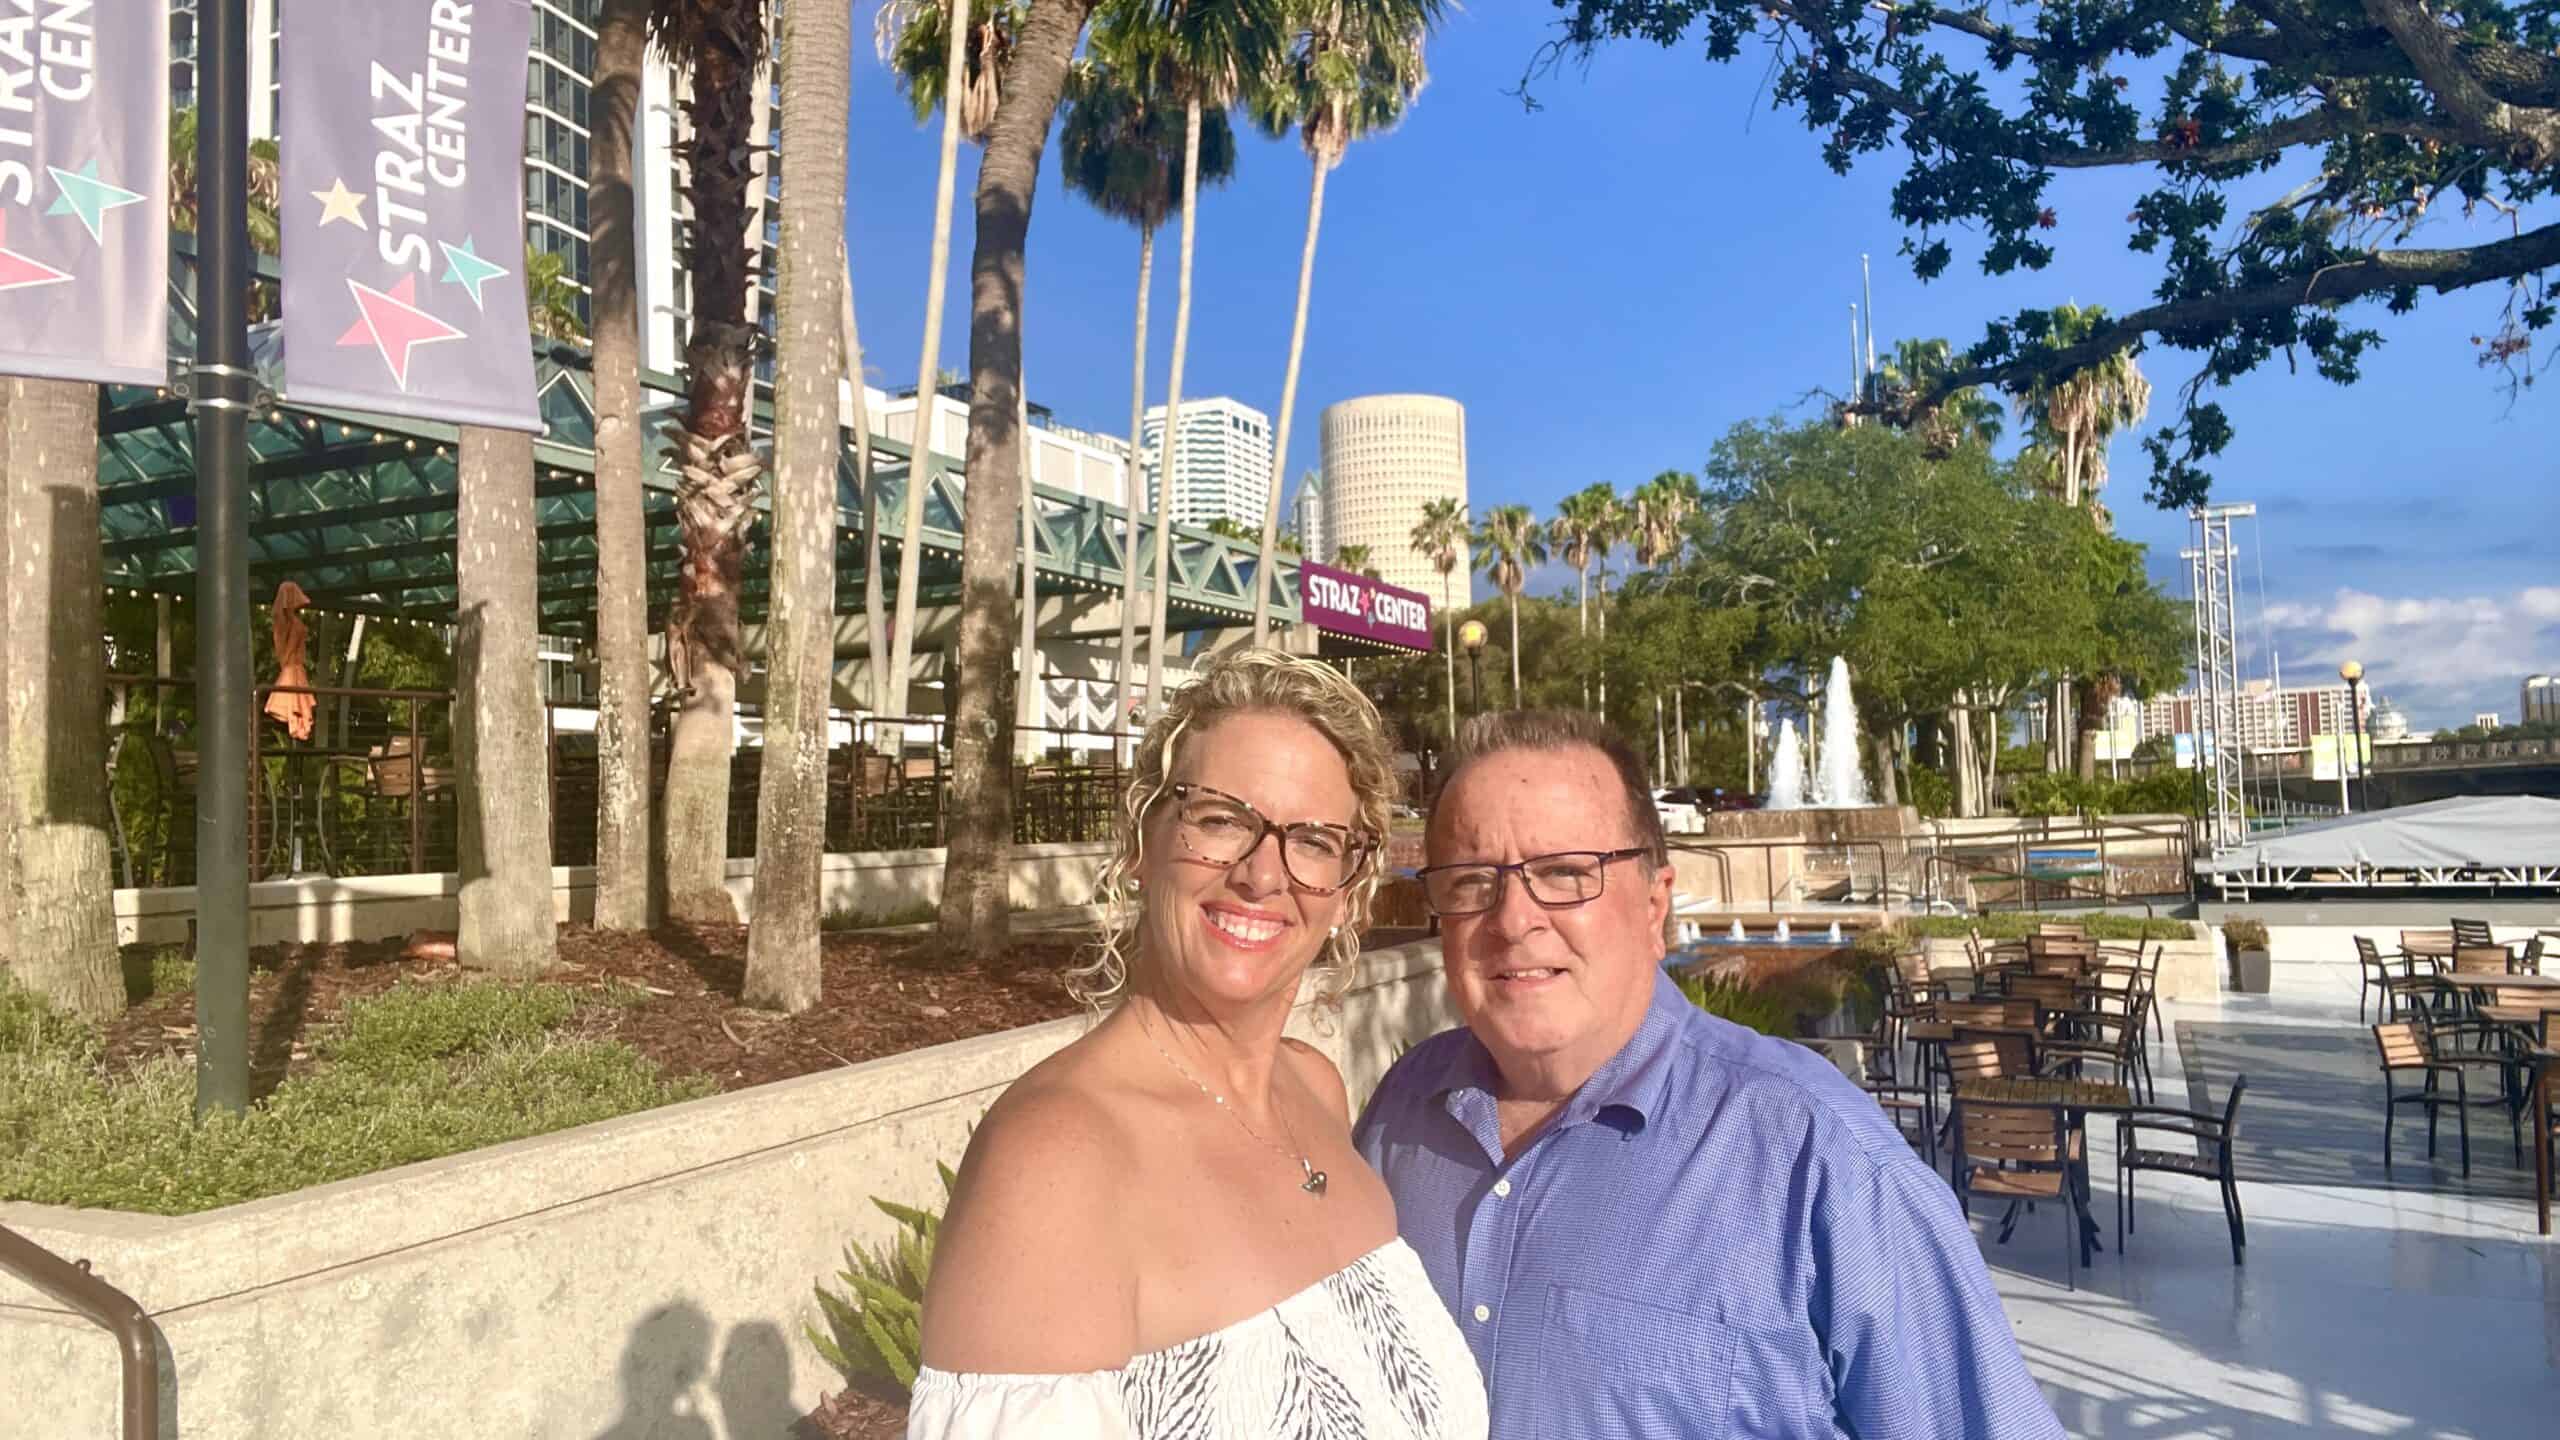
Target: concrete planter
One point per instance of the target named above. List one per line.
(2249, 972)
(2189, 969)
(647, 1275)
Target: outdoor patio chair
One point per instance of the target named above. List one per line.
(2388, 973)
(1907, 1106)
(2113, 1041)
(2211, 1159)
(2404, 1052)
(2529, 957)
(2471, 932)
(2063, 929)
(2021, 1154)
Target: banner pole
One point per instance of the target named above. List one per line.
(224, 389)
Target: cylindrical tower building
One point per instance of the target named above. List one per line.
(1384, 456)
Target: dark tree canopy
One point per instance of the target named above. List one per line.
(2300, 146)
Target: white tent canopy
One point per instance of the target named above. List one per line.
(2473, 833)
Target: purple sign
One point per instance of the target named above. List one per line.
(1349, 604)
(404, 209)
(84, 191)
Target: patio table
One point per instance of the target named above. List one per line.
(2538, 1059)
(2077, 1099)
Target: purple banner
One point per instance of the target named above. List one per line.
(403, 144)
(1349, 604)
(84, 190)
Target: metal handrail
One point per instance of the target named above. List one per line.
(103, 1305)
(2101, 897)
(1695, 845)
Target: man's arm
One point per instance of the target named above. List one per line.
(1918, 1343)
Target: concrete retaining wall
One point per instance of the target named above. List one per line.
(378, 907)
(648, 1275)
(2189, 969)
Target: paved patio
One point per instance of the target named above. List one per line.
(2360, 1311)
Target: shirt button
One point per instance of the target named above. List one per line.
(1502, 1187)
(1483, 1313)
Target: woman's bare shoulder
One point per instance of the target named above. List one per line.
(1033, 1273)
(1319, 1074)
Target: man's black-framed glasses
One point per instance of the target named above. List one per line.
(1557, 882)
(1223, 830)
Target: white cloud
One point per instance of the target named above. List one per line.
(2442, 658)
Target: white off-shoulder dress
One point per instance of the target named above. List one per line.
(1366, 1353)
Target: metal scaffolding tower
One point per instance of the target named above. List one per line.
(2211, 567)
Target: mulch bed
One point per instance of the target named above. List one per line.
(855, 1414)
(883, 994)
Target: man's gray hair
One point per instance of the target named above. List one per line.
(1552, 730)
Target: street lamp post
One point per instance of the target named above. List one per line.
(2353, 673)
(1471, 638)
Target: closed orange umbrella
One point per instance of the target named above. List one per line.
(292, 637)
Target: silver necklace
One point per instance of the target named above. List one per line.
(1315, 1178)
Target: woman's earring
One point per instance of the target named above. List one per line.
(1337, 932)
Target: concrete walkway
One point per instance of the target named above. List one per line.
(2358, 1312)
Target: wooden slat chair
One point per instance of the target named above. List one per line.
(2110, 1040)
(1907, 1106)
(2404, 1052)
(2021, 1154)
(2211, 1159)
(2469, 933)
(2389, 973)
(2452, 1002)
(2049, 994)
(2529, 959)
(2062, 929)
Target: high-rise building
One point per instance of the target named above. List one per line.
(559, 85)
(1314, 541)
(2539, 700)
(1062, 456)
(1222, 468)
(1384, 456)
(2268, 718)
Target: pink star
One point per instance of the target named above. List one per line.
(19, 272)
(394, 325)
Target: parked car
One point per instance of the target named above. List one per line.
(1680, 812)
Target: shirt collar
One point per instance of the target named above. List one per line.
(1630, 1086)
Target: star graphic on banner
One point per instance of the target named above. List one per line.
(87, 196)
(463, 266)
(340, 203)
(21, 272)
(394, 325)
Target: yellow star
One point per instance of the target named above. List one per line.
(340, 203)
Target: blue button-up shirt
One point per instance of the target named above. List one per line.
(1718, 1236)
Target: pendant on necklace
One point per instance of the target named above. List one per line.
(1315, 1178)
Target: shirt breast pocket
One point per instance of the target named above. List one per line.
(1626, 1367)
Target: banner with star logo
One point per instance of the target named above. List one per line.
(403, 209)
(84, 191)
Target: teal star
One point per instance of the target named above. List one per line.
(87, 196)
(463, 266)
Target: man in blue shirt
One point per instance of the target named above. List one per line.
(1648, 1221)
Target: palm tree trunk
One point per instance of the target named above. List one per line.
(1029, 693)
(1968, 769)
(1513, 595)
(1604, 642)
(1449, 651)
(499, 733)
(626, 892)
(902, 631)
(2085, 726)
(60, 911)
(1131, 493)
(1170, 449)
(875, 627)
(1582, 600)
(720, 469)
(974, 890)
(800, 631)
(1262, 583)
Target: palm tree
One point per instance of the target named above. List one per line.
(1355, 558)
(2071, 419)
(1577, 533)
(1203, 51)
(791, 840)
(1962, 417)
(975, 901)
(505, 923)
(60, 916)
(1662, 509)
(1612, 523)
(721, 45)
(1508, 544)
(1441, 537)
(266, 183)
(934, 50)
(1121, 148)
(551, 300)
(626, 887)
(1353, 70)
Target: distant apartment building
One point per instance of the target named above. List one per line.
(1062, 456)
(1314, 540)
(2487, 720)
(1222, 468)
(1385, 456)
(2539, 700)
(2268, 718)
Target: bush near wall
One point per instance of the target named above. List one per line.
(2019, 924)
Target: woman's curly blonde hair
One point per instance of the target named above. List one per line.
(1248, 682)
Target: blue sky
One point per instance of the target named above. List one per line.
(1611, 282)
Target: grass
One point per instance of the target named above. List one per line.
(151, 971)
(2019, 924)
(412, 1074)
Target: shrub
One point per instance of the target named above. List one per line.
(1744, 1005)
(875, 1328)
(2019, 924)
(415, 1073)
(2245, 934)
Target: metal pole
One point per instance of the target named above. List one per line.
(2355, 722)
(224, 389)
